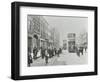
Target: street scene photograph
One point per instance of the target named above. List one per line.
(56, 40)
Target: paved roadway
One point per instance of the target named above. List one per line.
(65, 58)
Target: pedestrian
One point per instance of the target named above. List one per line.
(82, 50)
(49, 52)
(29, 59)
(35, 50)
(60, 50)
(39, 53)
(57, 52)
(77, 51)
(46, 56)
(52, 51)
(29, 56)
(42, 52)
(85, 49)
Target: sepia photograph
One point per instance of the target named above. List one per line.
(57, 40)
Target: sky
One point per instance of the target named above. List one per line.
(66, 24)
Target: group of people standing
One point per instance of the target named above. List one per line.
(81, 50)
(44, 53)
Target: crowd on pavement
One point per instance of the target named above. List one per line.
(81, 50)
(50, 52)
(44, 53)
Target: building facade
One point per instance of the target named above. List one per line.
(33, 25)
(40, 33)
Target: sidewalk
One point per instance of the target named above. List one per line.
(51, 61)
(41, 62)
